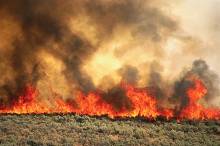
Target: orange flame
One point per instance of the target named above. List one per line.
(195, 111)
(143, 104)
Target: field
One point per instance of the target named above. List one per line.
(49, 130)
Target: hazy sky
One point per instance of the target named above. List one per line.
(201, 19)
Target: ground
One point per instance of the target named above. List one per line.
(70, 129)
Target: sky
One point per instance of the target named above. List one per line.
(201, 19)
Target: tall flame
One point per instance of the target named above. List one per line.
(194, 110)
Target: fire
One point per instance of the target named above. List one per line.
(194, 110)
(141, 103)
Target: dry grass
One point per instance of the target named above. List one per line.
(37, 130)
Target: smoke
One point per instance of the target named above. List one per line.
(140, 17)
(129, 74)
(65, 46)
(155, 79)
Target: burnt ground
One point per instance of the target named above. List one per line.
(49, 130)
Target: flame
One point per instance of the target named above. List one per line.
(143, 104)
(195, 111)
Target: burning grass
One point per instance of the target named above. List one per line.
(70, 129)
(124, 101)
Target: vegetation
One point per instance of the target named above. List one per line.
(49, 130)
